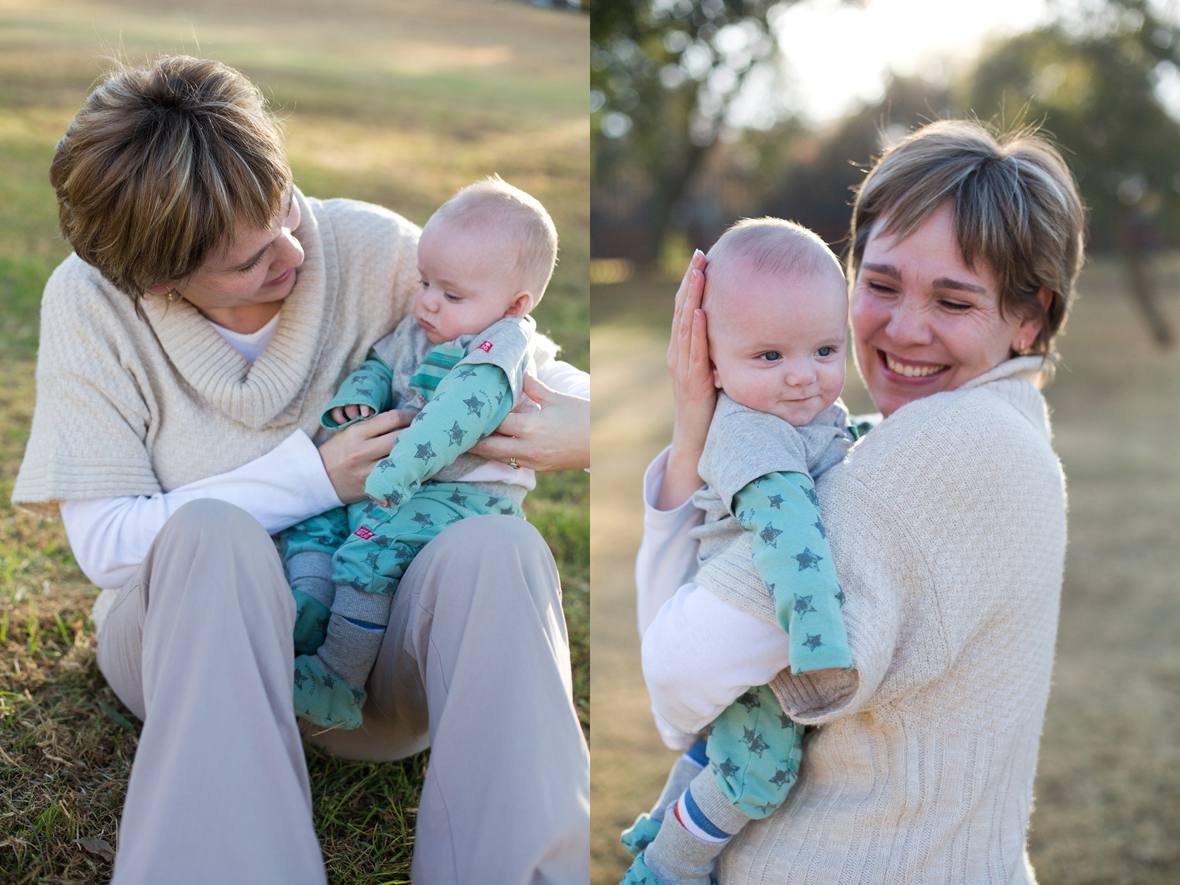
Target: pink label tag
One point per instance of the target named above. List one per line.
(486, 347)
(364, 533)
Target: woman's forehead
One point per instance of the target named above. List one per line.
(930, 251)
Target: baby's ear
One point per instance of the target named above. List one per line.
(521, 302)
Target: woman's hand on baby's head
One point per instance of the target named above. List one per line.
(344, 414)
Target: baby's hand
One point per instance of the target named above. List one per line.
(344, 414)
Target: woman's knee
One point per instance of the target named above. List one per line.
(209, 536)
(502, 558)
(211, 518)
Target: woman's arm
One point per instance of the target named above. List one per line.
(110, 536)
(699, 653)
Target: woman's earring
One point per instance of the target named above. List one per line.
(172, 295)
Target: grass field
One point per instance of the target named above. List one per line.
(399, 102)
(1109, 773)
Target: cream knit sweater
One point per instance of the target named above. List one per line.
(947, 523)
(128, 407)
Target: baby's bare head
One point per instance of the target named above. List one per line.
(506, 219)
(777, 308)
(770, 247)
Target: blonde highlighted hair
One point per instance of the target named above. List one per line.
(161, 164)
(1015, 206)
(773, 246)
(520, 216)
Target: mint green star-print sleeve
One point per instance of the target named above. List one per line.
(794, 559)
(371, 384)
(469, 403)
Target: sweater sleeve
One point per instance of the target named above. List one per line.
(87, 388)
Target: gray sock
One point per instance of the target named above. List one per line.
(681, 775)
(677, 857)
(350, 650)
(311, 573)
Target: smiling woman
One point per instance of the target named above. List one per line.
(947, 531)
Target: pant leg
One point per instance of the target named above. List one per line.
(198, 645)
(476, 663)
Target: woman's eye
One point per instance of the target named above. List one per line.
(956, 306)
(249, 267)
(826, 350)
(771, 356)
(879, 288)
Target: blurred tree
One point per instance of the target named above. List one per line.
(1093, 86)
(816, 174)
(663, 76)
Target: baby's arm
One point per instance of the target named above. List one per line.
(468, 404)
(365, 392)
(791, 553)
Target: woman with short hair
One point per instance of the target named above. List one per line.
(187, 349)
(947, 524)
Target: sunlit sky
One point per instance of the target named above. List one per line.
(835, 55)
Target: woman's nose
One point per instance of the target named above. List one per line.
(291, 249)
(907, 324)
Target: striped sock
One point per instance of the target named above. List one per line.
(687, 767)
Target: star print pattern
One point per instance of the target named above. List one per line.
(365, 567)
(807, 560)
(791, 555)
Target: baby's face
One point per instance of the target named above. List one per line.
(468, 281)
(777, 341)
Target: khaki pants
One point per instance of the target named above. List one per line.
(475, 665)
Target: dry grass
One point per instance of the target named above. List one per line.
(399, 103)
(1109, 774)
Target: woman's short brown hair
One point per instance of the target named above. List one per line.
(1015, 207)
(161, 164)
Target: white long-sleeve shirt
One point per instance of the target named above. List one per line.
(699, 653)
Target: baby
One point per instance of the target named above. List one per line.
(777, 310)
(485, 258)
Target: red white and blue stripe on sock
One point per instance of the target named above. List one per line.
(693, 819)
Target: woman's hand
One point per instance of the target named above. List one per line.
(351, 454)
(552, 435)
(692, 388)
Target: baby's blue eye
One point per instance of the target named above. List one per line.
(771, 356)
(826, 350)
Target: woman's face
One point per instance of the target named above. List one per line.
(258, 268)
(924, 322)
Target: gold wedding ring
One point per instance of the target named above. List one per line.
(512, 462)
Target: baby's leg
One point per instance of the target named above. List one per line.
(640, 834)
(329, 686)
(754, 752)
(307, 561)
